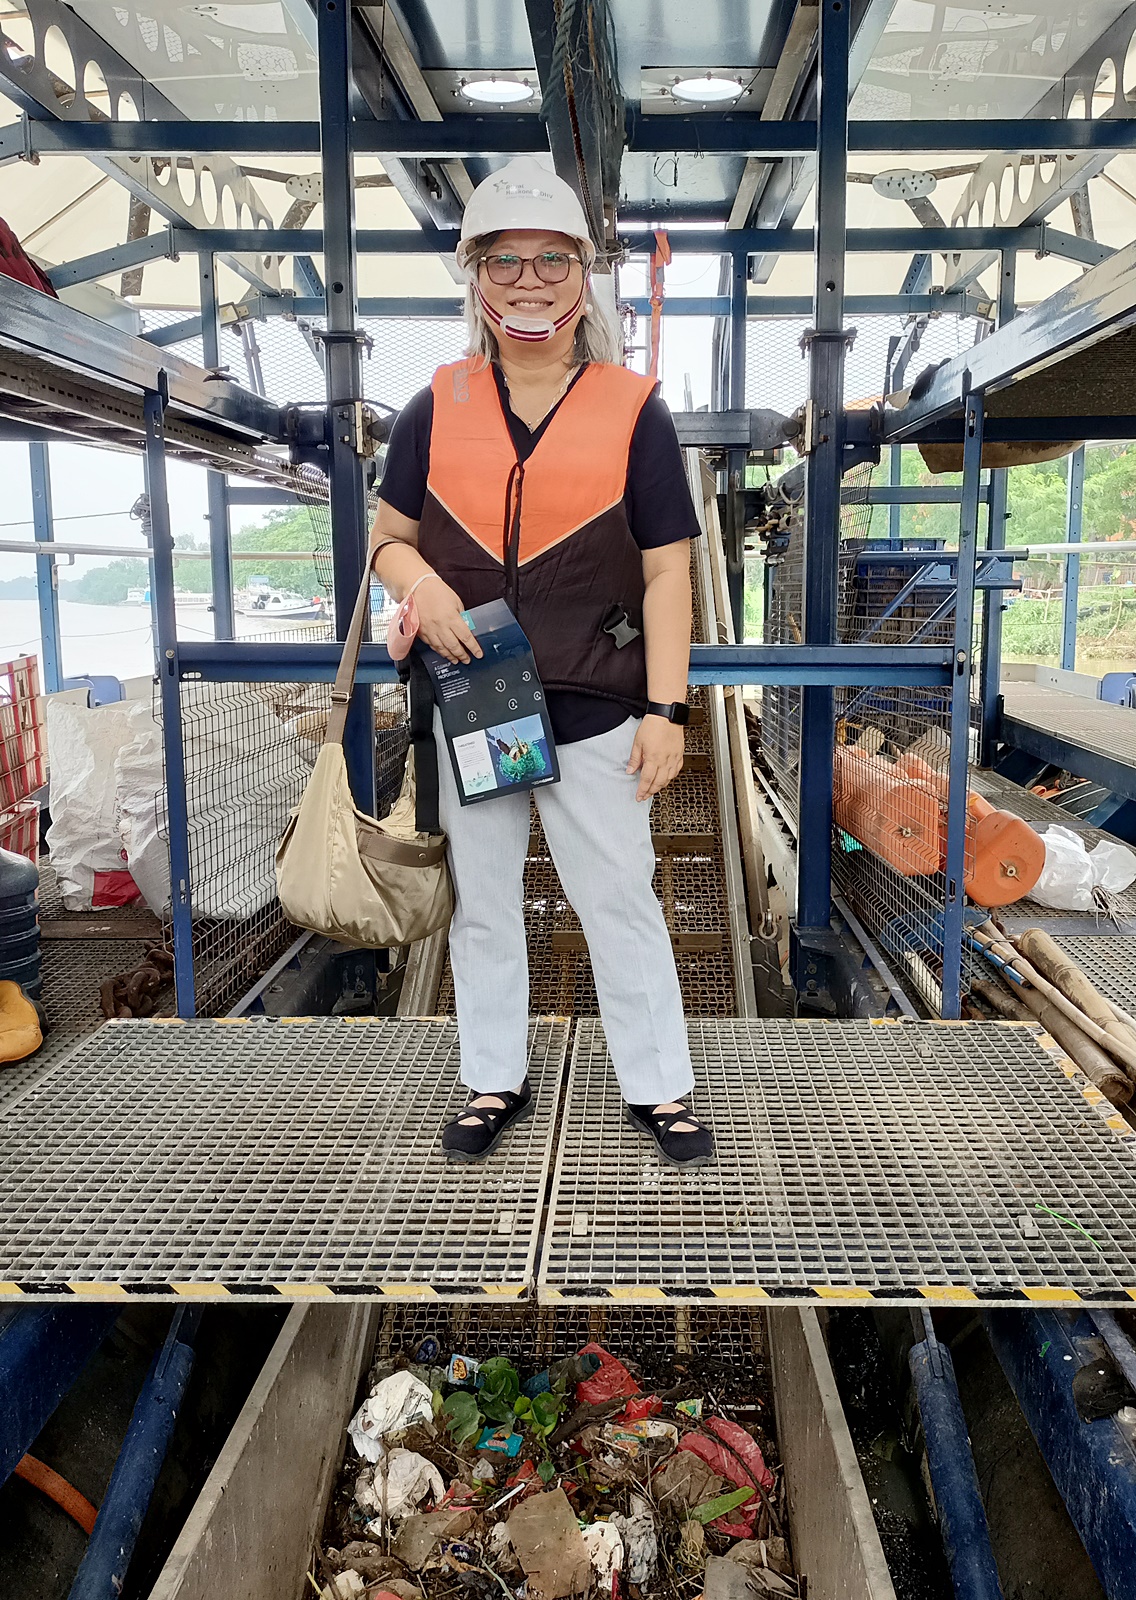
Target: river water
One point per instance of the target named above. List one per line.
(115, 640)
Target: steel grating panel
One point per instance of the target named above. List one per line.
(1094, 725)
(856, 1160)
(257, 1157)
(73, 970)
(1042, 814)
(1109, 961)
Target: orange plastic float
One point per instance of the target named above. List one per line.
(898, 811)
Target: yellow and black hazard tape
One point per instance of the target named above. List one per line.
(819, 1294)
(206, 1290)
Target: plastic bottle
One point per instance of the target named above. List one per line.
(19, 923)
(563, 1374)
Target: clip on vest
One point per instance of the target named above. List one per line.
(617, 623)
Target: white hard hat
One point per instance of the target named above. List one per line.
(524, 194)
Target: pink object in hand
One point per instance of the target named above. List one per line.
(402, 629)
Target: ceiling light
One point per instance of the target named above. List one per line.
(497, 91)
(708, 89)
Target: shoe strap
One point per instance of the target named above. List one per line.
(489, 1116)
(665, 1121)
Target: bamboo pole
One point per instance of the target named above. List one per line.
(1050, 960)
(988, 938)
(999, 999)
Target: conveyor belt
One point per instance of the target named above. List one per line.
(1042, 814)
(267, 1158)
(1092, 738)
(72, 374)
(856, 1160)
(301, 1158)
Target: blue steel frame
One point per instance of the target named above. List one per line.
(823, 468)
(1074, 516)
(954, 903)
(39, 465)
(990, 660)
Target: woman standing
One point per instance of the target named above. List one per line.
(541, 471)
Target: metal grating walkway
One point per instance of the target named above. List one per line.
(1092, 738)
(260, 1157)
(1109, 961)
(855, 1160)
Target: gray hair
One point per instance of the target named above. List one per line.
(596, 340)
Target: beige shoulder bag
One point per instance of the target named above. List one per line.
(342, 873)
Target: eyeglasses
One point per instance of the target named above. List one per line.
(551, 266)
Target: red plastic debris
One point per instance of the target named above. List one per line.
(611, 1382)
(645, 1405)
(735, 1456)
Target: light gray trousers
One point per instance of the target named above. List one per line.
(600, 839)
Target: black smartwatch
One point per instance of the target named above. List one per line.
(676, 711)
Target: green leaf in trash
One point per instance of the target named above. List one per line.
(545, 1414)
(462, 1417)
(546, 1471)
(499, 1389)
(711, 1510)
(522, 1406)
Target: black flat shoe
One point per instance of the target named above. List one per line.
(477, 1130)
(692, 1148)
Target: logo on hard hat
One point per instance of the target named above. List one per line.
(520, 191)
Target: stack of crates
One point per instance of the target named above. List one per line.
(23, 769)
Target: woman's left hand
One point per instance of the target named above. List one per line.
(656, 755)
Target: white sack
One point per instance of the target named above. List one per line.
(82, 747)
(1066, 881)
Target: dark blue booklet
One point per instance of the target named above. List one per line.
(493, 711)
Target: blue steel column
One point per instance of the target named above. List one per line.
(1074, 513)
(954, 903)
(823, 468)
(169, 683)
(990, 663)
(895, 479)
(220, 532)
(344, 368)
(736, 459)
(51, 646)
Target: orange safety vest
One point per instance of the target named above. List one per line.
(549, 535)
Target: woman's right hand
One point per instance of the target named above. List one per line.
(441, 624)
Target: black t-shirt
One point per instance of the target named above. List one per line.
(657, 502)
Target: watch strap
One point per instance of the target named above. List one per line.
(676, 711)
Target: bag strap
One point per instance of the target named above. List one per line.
(344, 684)
(413, 671)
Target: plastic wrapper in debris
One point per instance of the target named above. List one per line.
(689, 1408)
(394, 1404)
(463, 1370)
(611, 1382)
(547, 1542)
(501, 1441)
(735, 1456)
(369, 1560)
(640, 1438)
(605, 1551)
(395, 1486)
(640, 1542)
(563, 1374)
(484, 1472)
